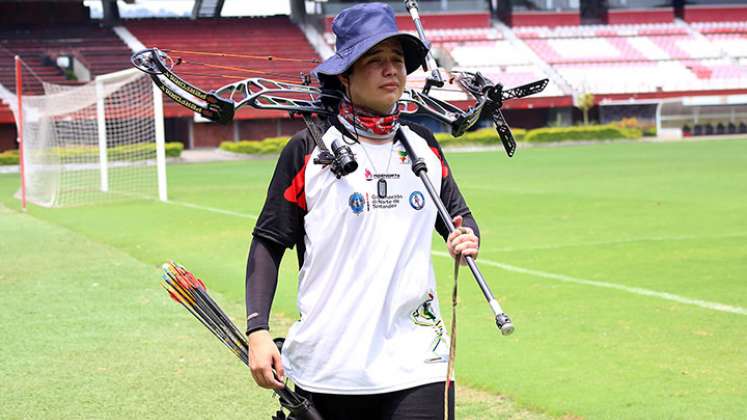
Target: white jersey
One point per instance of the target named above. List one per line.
(369, 314)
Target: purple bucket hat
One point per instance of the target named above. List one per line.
(358, 29)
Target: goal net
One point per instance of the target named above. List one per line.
(97, 142)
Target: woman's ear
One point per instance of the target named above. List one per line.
(344, 80)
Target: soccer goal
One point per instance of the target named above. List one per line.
(96, 142)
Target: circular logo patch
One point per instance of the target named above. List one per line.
(417, 201)
(356, 202)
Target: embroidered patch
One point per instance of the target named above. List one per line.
(425, 316)
(403, 159)
(417, 201)
(356, 202)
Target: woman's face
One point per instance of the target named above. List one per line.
(378, 78)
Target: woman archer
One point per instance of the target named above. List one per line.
(370, 343)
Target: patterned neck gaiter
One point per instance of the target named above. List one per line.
(362, 121)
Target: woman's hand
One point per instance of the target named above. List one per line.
(462, 241)
(263, 357)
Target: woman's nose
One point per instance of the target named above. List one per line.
(390, 68)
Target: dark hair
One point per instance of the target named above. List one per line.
(333, 82)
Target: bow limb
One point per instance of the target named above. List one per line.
(154, 62)
(220, 105)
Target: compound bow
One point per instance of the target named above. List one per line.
(305, 100)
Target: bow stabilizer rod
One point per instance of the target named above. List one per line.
(419, 168)
(488, 101)
(434, 77)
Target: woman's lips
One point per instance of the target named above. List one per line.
(390, 87)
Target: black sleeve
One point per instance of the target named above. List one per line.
(262, 268)
(450, 194)
(281, 219)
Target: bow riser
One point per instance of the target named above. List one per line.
(268, 94)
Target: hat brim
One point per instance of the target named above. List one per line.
(414, 50)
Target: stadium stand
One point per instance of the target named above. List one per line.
(98, 49)
(262, 37)
(231, 39)
(729, 37)
(632, 58)
(92, 50)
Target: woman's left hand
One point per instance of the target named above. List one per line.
(462, 241)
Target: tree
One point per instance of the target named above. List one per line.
(585, 102)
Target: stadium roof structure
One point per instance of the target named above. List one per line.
(207, 8)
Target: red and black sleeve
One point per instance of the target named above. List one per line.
(281, 219)
(279, 226)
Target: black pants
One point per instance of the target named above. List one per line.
(425, 402)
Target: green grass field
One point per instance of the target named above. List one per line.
(624, 268)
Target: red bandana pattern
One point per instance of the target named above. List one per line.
(368, 123)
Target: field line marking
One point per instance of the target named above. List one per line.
(213, 209)
(558, 277)
(634, 290)
(619, 241)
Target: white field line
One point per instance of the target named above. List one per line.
(619, 241)
(213, 209)
(634, 290)
(552, 276)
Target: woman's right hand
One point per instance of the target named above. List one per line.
(263, 357)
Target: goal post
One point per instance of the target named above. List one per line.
(101, 128)
(94, 142)
(19, 124)
(160, 142)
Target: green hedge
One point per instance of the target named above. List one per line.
(590, 132)
(272, 145)
(139, 151)
(174, 149)
(9, 157)
(485, 136)
(117, 153)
